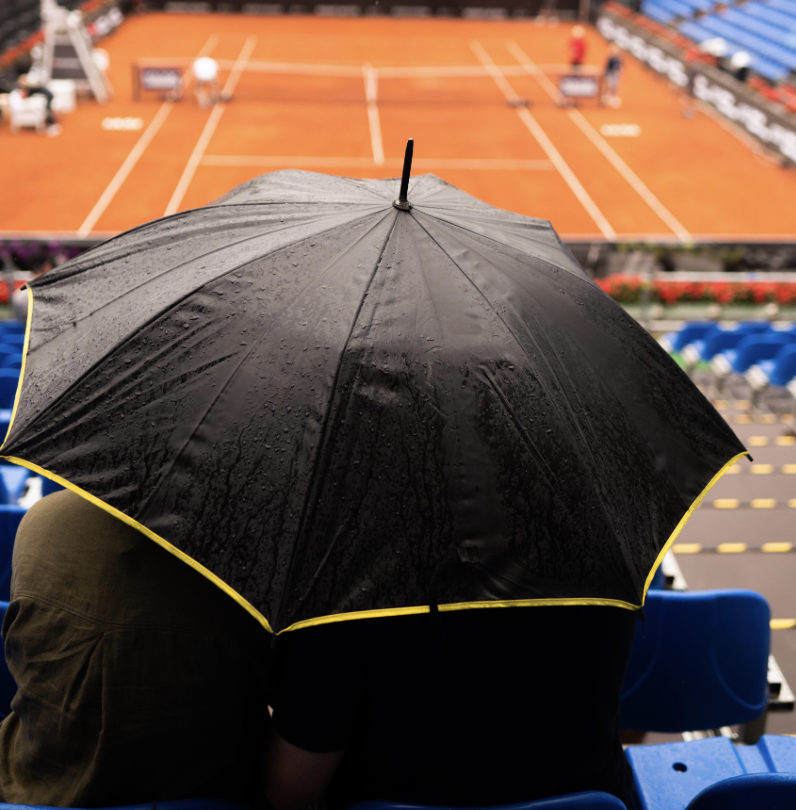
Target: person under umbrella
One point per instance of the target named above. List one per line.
(364, 419)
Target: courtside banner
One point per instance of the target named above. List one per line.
(729, 97)
(576, 86)
(160, 78)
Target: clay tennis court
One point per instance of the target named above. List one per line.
(342, 96)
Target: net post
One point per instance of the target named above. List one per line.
(402, 203)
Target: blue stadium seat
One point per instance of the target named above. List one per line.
(590, 800)
(48, 486)
(688, 333)
(747, 40)
(778, 372)
(8, 348)
(9, 327)
(14, 339)
(13, 361)
(677, 7)
(7, 686)
(9, 379)
(657, 13)
(721, 340)
(763, 791)
(12, 483)
(699, 661)
(673, 776)
(774, 33)
(694, 31)
(746, 354)
(700, 5)
(754, 348)
(785, 6)
(770, 69)
(658, 581)
(10, 517)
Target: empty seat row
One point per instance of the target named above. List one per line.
(749, 41)
(774, 71)
(656, 12)
(785, 6)
(762, 11)
(680, 8)
(770, 32)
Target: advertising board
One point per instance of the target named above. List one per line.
(729, 97)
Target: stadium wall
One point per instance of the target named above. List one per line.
(774, 129)
(496, 9)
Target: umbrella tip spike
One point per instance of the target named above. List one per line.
(402, 204)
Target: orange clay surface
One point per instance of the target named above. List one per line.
(679, 178)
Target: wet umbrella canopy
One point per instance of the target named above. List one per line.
(330, 405)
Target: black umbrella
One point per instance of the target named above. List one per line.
(333, 405)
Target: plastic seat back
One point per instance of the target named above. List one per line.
(9, 379)
(699, 661)
(784, 366)
(669, 776)
(721, 341)
(754, 348)
(10, 517)
(588, 800)
(761, 791)
(8, 348)
(13, 361)
(692, 331)
(14, 339)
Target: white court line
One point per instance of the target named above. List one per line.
(545, 142)
(476, 164)
(610, 154)
(427, 71)
(130, 161)
(210, 128)
(371, 97)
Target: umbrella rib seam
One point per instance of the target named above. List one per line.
(542, 354)
(327, 418)
(116, 347)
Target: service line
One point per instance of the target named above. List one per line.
(314, 161)
(547, 145)
(135, 154)
(371, 97)
(210, 127)
(607, 150)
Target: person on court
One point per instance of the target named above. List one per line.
(577, 47)
(612, 74)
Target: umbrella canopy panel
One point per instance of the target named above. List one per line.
(333, 406)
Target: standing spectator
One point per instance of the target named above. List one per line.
(613, 71)
(692, 58)
(548, 13)
(577, 47)
(28, 87)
